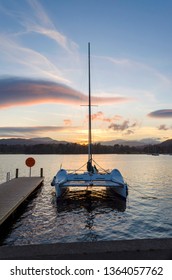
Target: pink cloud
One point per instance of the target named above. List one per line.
(100, 116)
(67, 122)
(26, 92)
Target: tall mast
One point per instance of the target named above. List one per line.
(89, 109)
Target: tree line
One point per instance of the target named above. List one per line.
(74, 148)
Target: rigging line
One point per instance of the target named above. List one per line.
(79, 168)
(152, 197)
(100, 166)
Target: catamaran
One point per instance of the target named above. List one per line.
(113, 180)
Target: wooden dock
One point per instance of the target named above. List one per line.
(14, 192)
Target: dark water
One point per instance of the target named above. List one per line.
(94, 215)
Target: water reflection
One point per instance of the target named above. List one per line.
(93, 203)
(83, 216)
(89, 199)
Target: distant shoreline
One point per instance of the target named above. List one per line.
(74, 148)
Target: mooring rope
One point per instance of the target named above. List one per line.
(151, 197)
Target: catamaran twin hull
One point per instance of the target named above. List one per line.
(113, 181)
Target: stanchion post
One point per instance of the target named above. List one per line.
(41, 172)
(17, 172)
(8, 177)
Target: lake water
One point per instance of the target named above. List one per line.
(84, 216)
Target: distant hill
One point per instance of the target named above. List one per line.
(47, 145)
(166, 143)
(133, 143)
(31, 141)
(48, 140)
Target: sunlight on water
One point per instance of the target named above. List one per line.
(94, 214)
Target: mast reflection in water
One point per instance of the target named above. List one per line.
(94, 202)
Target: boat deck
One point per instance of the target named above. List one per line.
(92, 183)
(14, 192)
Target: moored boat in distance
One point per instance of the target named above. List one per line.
(113, 180)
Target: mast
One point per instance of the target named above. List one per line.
(89, 110)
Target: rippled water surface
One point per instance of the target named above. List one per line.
(94, 215)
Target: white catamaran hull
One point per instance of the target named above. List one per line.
(113, 181)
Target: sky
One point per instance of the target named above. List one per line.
(44, 69)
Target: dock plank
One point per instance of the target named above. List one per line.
(14, 192)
